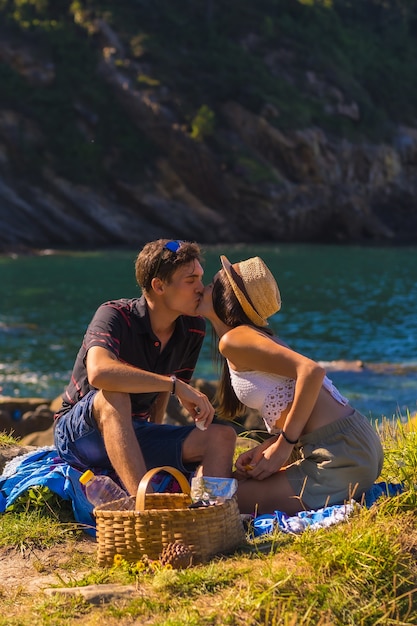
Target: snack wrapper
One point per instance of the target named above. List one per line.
(212, 489)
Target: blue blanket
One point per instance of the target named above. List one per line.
(44, 467)
(321, 518)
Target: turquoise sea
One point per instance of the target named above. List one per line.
(340, 303)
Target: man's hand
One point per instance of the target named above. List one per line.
(196, 403)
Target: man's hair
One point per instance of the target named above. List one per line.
(155, 260)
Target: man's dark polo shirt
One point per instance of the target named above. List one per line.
(123, 327)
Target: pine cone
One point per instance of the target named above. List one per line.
(176, 554)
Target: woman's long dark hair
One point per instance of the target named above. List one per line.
(227, 308)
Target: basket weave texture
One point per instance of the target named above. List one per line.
(158, 519)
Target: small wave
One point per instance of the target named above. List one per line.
(16, 327)
(360, 366)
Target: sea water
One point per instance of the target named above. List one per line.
(352, 308)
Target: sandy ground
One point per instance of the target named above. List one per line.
(35, 570)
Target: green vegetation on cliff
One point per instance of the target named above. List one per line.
(302, 62)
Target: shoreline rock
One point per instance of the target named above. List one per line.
(30, 420)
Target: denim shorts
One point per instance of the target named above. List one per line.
(80, 443)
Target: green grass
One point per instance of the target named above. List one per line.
(359, 572)
(7, 440)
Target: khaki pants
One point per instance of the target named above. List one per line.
(337, 462)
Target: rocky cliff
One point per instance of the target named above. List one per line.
(243, 177)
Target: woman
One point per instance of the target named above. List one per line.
(339, 452)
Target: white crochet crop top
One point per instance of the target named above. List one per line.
(270, 394)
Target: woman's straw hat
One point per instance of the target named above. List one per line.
(254, 287)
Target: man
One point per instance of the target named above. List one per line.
(135, 353)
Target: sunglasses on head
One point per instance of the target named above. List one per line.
(172, 246)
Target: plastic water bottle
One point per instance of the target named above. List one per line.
(102, 490)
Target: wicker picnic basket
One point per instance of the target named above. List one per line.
(158, 519)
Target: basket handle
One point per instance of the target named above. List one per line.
(143, 485)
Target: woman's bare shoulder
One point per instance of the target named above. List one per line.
(236, 335)
(241, 338)
(249, 348)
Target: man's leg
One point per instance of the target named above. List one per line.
(112, 412)
(77, 438)
(213, 449)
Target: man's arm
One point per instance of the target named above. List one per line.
(159, 408)
(106, 372)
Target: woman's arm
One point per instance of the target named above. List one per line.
(246, 348)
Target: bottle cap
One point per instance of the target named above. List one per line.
(264, 524)
(88, 475)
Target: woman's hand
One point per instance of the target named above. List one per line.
(264, 460)
(244, 463)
